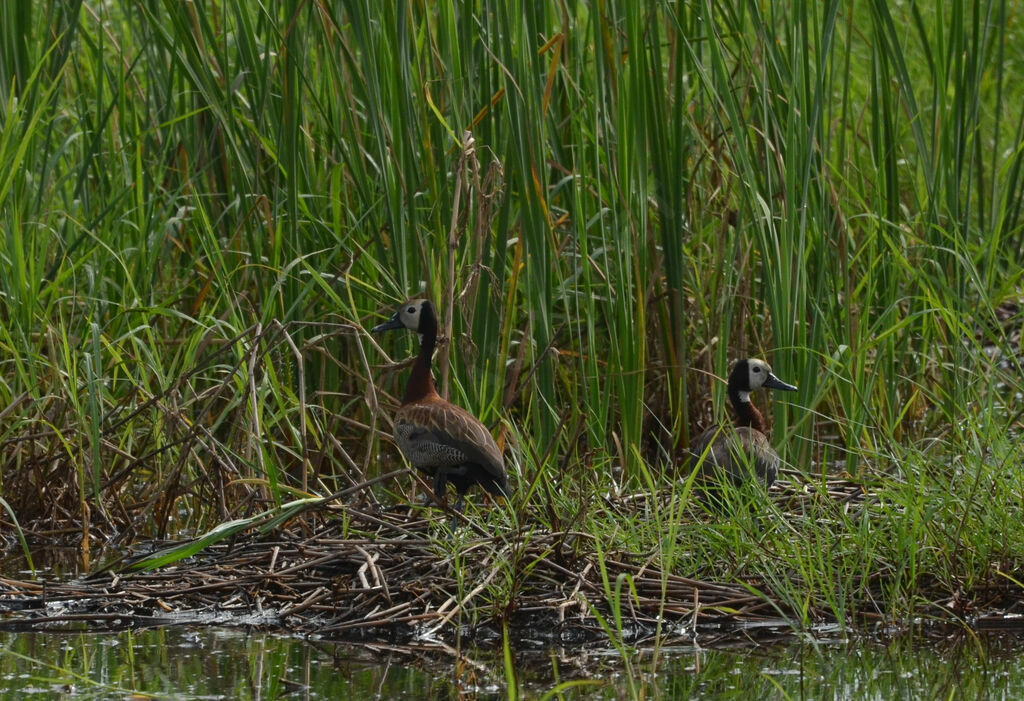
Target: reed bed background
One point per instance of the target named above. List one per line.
(205, 205)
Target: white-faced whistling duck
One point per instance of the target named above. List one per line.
(735, 450)
(444, 441)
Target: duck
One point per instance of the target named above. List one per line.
(732, 452)
(442, 440)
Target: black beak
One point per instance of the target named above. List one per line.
(775, 383)
(393, 323)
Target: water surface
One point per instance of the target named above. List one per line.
(218, 663)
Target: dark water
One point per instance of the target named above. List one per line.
(210, 663)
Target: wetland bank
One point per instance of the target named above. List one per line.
(206, 208)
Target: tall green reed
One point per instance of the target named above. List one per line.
(204, 206)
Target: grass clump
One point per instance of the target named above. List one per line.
(204, 207)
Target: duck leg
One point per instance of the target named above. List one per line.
(460, 504)
(441, 479)
(440, 483)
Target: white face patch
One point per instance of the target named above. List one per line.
(410, 315)
(744, 397)
(757, 374)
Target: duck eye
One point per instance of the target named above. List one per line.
(757, 369)
(411, 310)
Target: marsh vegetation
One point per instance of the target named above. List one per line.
(204, 208)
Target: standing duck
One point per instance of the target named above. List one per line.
(735, 450)
(442, 440)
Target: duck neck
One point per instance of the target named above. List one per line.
(746, 413)
(420, 383)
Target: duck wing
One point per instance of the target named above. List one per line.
(436, 433)
(735, 450)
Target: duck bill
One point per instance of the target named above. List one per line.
(389, 325)
(775, 383)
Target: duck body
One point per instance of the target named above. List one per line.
(442, 440)
(448, 443)
(742, 451)
(734, 451)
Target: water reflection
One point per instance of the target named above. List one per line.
(225, 663)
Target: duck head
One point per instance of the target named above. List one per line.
(416, 315)
(752, 374)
